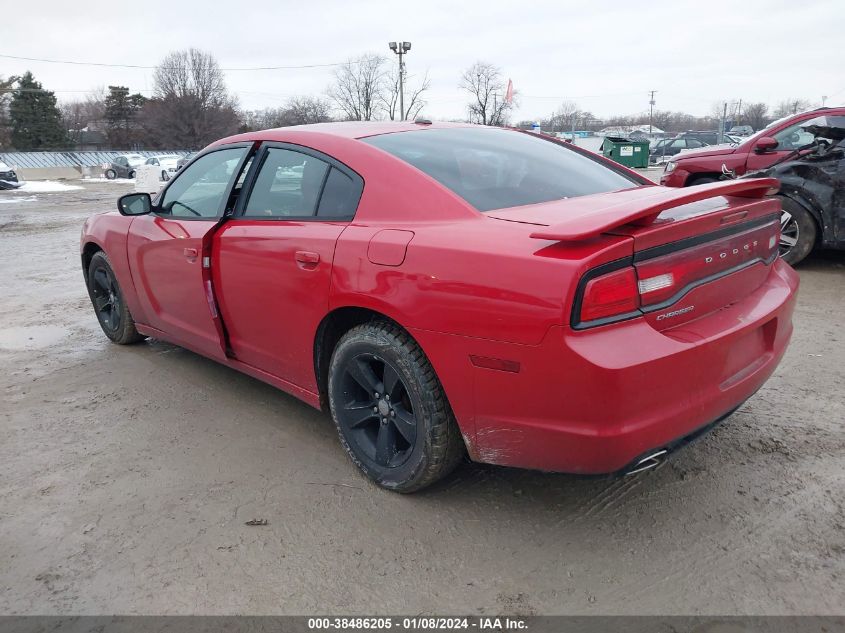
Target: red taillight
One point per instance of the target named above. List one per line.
(610, 295)
(663, 278)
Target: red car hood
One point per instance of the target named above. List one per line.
(705, 151)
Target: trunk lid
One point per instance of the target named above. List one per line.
(695, 250)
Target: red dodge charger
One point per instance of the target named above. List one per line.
(449, 289)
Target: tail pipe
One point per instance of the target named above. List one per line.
(647, 463)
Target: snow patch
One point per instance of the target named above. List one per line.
(46, 186)
(18, 199)
(117, 181)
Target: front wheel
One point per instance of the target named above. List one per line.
(164, 176)
(111, 174)
(703, 180)
(797, 232)
(109, 305)
(390, 410)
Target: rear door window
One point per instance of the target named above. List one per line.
(294, 184)
(340, 196)
(288, 185)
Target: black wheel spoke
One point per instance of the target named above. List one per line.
(361, 370)
(392, 384)
(385, 444)
(376, 414)
(101, 303)
(406, 424)
(357, 413)
(102, 279)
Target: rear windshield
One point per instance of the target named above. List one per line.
(493, 168)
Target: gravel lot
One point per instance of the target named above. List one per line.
(127, 474)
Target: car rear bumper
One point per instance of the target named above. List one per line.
(595, 401)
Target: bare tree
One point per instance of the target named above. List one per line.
(486, 86)
(83, 113)
(756, 115)
(359, 87)
(561, 118)
(305, 110)
(791, 106)
(414, 99)
(297, 111)
(190, 106)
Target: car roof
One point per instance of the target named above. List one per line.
(344, 129)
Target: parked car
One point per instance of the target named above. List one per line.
(445, 289)
(123, 166)
(167, 163)
(184, 160)
(758, 151)
(667, 147)
(8, 177)
(742, 130)
(708, 137)
(812, 190)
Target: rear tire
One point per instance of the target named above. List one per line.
(798, 231)
(164, 176)
(110, 174)
(404, 439)
(109, 304)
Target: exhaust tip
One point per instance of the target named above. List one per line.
(647, 463)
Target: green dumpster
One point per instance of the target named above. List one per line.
(625, 151)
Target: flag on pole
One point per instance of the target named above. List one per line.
(509, 92)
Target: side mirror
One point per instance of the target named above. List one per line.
(135, 204)
(765, 144)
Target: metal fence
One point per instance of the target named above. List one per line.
(35, 160)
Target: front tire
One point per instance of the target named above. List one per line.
(797, 232)
(703, 180)
(390, 410)
(109, 304)
(164, 176)
(111, 174)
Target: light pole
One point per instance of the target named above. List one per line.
(401, 48)
(651, 111)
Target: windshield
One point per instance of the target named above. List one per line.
(492, 168)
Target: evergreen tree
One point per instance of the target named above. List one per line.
(35, 118)
(122, 110)
(5, 96)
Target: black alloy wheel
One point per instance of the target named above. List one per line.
(106, 298)
(378, 415)
(390, 410)
(109, 304)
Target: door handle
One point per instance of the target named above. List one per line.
(190, 254)
(307, 259)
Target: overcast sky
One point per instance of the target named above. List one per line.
(605, 56)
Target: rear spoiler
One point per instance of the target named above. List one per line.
(641, 206)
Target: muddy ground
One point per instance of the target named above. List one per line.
(127, 474)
